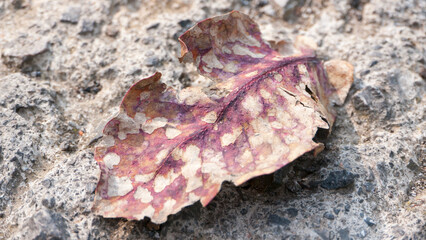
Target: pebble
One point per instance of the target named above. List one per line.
(413, 166)
(46, 224)
(152, 61)
(153, 26)
(46, 183)
(277, 220)
(135, 71)
(338, 179)
(112, 31)
(362, 233)
(293, 186)
(49, 203)
(369, 186)
(262, 3)
(336, 211)
(87, 27)
(292, 212)
(329, 216)
(20, 50)
(347, 207)
(185, 23)
(72, 15)
(373, 63)
(370, 222)
(344, 234)
(365, 72)
(371, 99)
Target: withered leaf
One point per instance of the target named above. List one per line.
(165, 151)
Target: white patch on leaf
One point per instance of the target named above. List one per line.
(263, 132)
(161, 155)
(143, 194)
(108, 141)
(253, 105)
(155, 123)
(240, 50)
(119, 186)
(210, 117)
(192, 95)
(166, 210)
(172, 132)
(193, 197)
(225, 49)
(144, 178)
(146, 212)
(122, 135)
(251, 74)
(276, 125)
(278, 77)
(229, 138)
(285, 119)
(140, 119)
(162, 181)
(112, 207)
(213, 164)
(111, 159)
(231, 67)
(304, 74)
(245, 37)
(144, 95)
(246, 158)
(266, 135)
(192, 164)
(207, 69)
(265, 94)
(127, 126)
(290, 138)
(211, 60)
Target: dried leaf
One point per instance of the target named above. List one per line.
(165, 151)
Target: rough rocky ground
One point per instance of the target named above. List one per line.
(65, 65)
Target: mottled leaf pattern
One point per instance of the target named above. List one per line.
(165, 151)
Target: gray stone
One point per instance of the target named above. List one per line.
(291, 8)
(336, 210)
(275, 219)
(371, 100)
(88, 26)
(292, 212)
(370, 222)
(338, 179)
(293, 186)
(23, 49)
(72, 15)
(24, 104)
(362, 233)
(344, 234)
(45, 224)
(152, 61)
(329, 216)
(112, 31)
(369, 187)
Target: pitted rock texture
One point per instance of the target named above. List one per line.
(65, 65)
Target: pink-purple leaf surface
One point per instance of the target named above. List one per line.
(166, 150)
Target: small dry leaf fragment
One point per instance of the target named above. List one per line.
(165, 151)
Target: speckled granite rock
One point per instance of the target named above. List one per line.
(65, 66)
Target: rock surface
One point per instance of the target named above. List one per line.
(65, 65)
